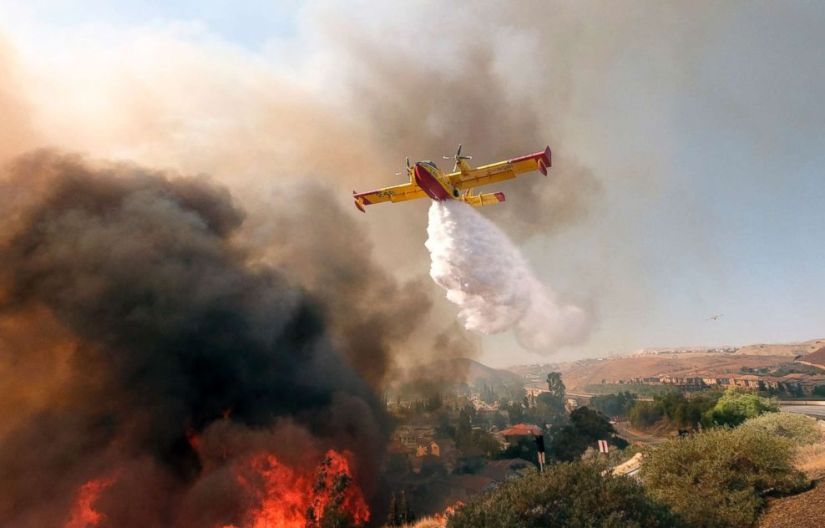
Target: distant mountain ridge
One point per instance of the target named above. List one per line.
(759, 349)
(680, 361)
(782, 349)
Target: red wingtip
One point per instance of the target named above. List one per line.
(545, 161)
(500, 196)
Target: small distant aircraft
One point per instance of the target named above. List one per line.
(427, 180)
(715, 317)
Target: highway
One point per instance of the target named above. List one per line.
(817, 411)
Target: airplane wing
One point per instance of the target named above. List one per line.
(396, 193)
(503, 170)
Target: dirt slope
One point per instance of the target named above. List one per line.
(790, 349)
(806, 510)
(816, 358)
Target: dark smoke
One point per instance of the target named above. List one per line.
(327, 252)
(158, 327)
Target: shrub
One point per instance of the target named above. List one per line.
(797, 428)
(734, 407)
(717, 479)
(571, 495)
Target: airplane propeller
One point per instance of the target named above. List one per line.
(457, 158)
(407, 160)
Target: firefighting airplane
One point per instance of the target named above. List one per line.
(427, 180)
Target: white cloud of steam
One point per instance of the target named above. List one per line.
(487, 277)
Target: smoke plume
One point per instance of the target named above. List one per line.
(322, 247)
(486, 276)
(160, 355)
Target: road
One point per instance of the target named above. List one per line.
(817, 411)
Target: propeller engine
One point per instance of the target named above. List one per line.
(407, 160)
(458, 157)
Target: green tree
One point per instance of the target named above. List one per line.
(726, 471)
(645, 414)
(585, 429)
(591, 424)
(618, 404)
(548, 405)
(734, 407)
(555, 385)
(681, 411)
(521, 447)
(552, 402)
(574, 495)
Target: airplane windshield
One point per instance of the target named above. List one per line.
(428, 162)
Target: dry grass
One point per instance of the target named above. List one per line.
(811, 459)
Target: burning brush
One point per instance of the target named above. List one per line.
(139, 321)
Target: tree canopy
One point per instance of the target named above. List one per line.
(585, 429)
(735, 406)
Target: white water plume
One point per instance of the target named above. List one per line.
(486, 276)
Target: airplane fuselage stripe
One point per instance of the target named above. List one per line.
(430, 184)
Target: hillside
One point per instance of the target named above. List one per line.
(786, 349)
(470, 372)
(579, 374)
(678, 361)
(451, 374)
(816, 358)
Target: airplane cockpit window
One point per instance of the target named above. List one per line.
(428, 162)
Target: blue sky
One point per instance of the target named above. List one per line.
(709, 145)
(249, 23)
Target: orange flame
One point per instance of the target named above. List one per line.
(83, 514)
(441, 518)
(286, 498)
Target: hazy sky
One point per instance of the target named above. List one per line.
(705, 130)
